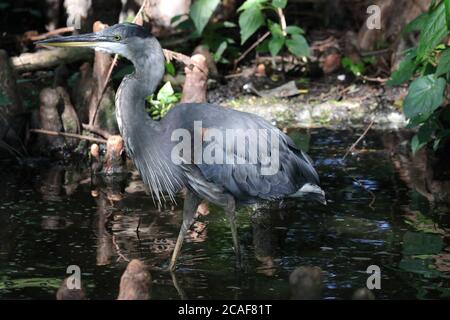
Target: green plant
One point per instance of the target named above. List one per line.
(165, 99)
(358, 68)
(425, 105)
(253, 16)
(213, 35)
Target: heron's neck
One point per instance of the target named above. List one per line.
(135, 88)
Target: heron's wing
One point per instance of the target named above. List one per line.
(244, 181)
(249, 178)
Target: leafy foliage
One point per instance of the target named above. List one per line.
(213, 35)
(425, 95)
(430, 62)
(165, 99)
(250, 20)
(201, 11)
(253, 16)
(358, 68)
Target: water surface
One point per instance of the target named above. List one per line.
(53, 216)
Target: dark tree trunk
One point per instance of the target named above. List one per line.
(12, 113)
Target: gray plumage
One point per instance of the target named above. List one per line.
(149, 143)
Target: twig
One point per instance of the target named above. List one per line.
(374, 53)
(138, 226)
(52, 33)
(105, 134)
(374, 197)
(253, 46)
(377, 79)
(282, 20)
(359, 140)
(118, 251)
(352, 147)
(70, 135)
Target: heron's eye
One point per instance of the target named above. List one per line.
(117, 37)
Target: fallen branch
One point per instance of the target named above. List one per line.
(70, 135)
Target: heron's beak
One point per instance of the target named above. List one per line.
(90, 40)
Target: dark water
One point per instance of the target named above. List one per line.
(53, 216)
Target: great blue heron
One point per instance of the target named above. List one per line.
(151, 146)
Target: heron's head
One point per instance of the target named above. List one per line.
(125, 39)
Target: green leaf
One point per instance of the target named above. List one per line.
(447, 13)
(219, 52)
(279, 3)
(444, 63)
(417, 24)
(357, 68)
(275, 45)
(405, 70)
(165, 91)
(433, 32)
(294, 30)
(423, 136)
(251, 4)
(417, 121)
(250, 20)
(275, 29)
(201, 11)
(425, 94)
(298, 45)
(170, 68)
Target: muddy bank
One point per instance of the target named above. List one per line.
(327, 103)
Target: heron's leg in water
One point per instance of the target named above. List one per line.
(191, 202)
(230, 210)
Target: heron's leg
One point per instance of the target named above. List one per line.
(230, 210)
(191, 203)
